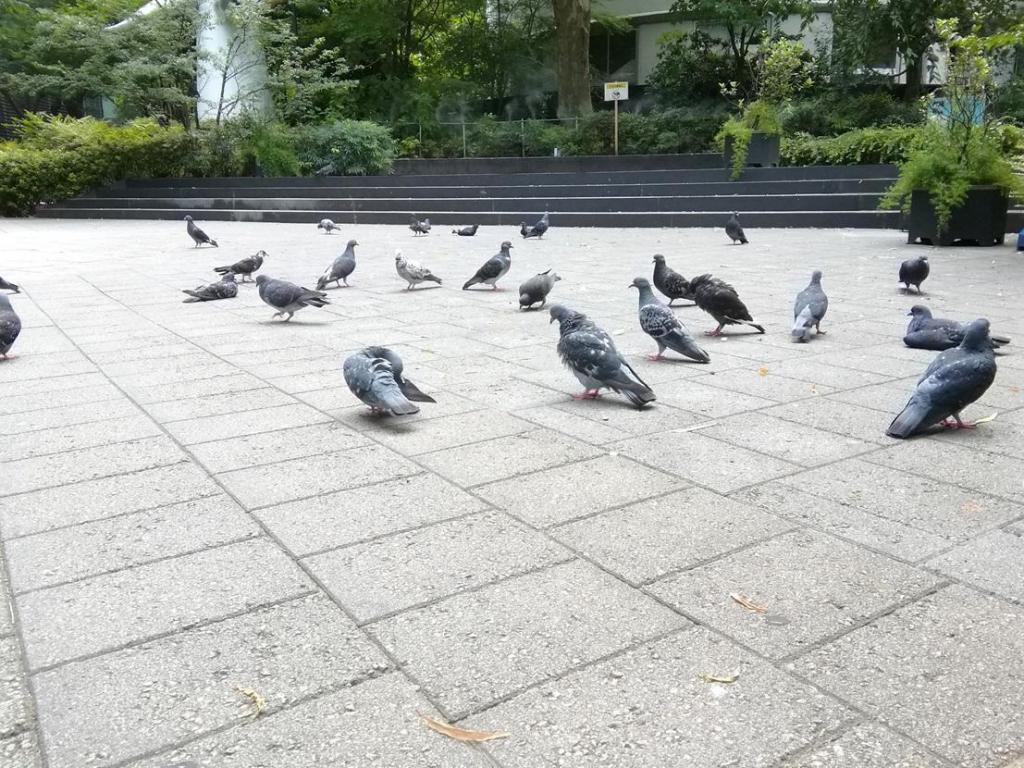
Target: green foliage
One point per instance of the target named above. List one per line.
(690, 68)
(863, 146)
(346, 147)
(784, 69)
(836, 112)
(1008, 101)
(758, 116)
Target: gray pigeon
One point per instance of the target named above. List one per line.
(913, 272)
(374, 375)
(198, 236)
(936, 333)
(288, 298)
(493, 269)
(720, 300)
(10, 326)
(537, 289)
(734, 230)
(809, 309)
(590, 354)
(419, 227)
(327, 226)
(413, 273)
(340, 269)
(672, 285)
(954, 380)
(5, 286)
(537, 230)
(245, 267)
(661, 324)
(466, 231)
(225, 288)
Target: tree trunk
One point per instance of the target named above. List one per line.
(915, 71)
(572, 27)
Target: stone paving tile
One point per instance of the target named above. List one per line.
(279, 445)
(558, 494)
(103, 612)
(239, 424)
(1006, 440)
(708, 402)
(503, 457)
(644, 541)
(126, 540)
(575, 425)
(907, 498)
(371, 725)
(657, 418)
(23, 369)
(337, 519)
(57, 469)
(650, 707)
(892, 537)
(123, 704)
(762, 382)
(994, 562)
(272, 484)
(357, 416)
(413, 568)
(868, 745)
(834, 416)
(819, 373)
(956, 652)
(21, 751)
(704, 460)
(786, 440)
(69, 415)
(414, 436)
(105, 497)
(805, 602)
(36, 400)
(93, 434)
(6, 609)
(15, 705)
(472, 649)
(199, 387)
(218, 405)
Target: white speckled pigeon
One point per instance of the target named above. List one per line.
(225, 288)
(10, 326)
(954, 380)
(419, 227)
(720, 300)
(672, 285)
(809, 308)
(374, 375)
(734, 230)
(245, 267)
(413, 273)
(6, 286)
(198, 236)
(913, 272)
(493, 269)
(661, 324)
(591, 355)
(327, 226)
(537, 289)
(340, 268)
(537, 230)
(288, 298)
(936, 333)
(466, 231)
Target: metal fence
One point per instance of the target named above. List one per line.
(484, 138)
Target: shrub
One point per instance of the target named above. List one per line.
(835, 112)
(346, 147)
(690, 68)
(866, 146)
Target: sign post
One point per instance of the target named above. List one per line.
(616, 92)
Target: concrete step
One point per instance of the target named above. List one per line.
(459, 165)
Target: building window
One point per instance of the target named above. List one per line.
(613, 54)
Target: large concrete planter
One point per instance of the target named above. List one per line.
(763, 151)
(979, 220)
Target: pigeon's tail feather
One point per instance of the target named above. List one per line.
(685, 346)
(412, 392)
(470, 283)
(192, 298)
(632, 386)
(212, 242)
(998, 341)
(802, 325)
(914, 418)
(743, 238)
(393, 401)
(321, 282)
(222, 270)
(317, 301)
(432, 278)
(751, 323)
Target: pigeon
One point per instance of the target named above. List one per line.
(225, 288)
(419, 227)
(913, 272)
(734, 230)
(327, 226)
(374, 375)
(10, 326)
(288, 298)
(720, 300)
(590, 354)
(412, 272)
(661, 324)
(6, 286)
(537, 289)
(954, 380)
(537, 230)
(493, 269)
(340, 268)
(245, 267)
(669, 282)
(936, 333)
(198, 236)
(466, 231)
(810, 307)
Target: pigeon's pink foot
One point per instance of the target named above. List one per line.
(654, 357)
(963, 424)
(587, 394)
(716, 332)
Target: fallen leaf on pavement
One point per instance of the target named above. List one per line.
(986, 419)
(707, 678)
(746, 603)
(258, 702)
(762, 371)
(461, 734)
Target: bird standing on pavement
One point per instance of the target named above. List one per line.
(10, 326)
(661, 324)
(734, 230)
(374, 375)
(288, 298)
(198, 236)
(913, 272)
(720, 300)
(343, 266)
(412, 272)
(493, 269)
(245, 267)
(809, 308)
(671, 284)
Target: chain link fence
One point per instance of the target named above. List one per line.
(485, 138)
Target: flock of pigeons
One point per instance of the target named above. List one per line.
(957, 377)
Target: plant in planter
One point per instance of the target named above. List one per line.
(752, 138)
(956, 184)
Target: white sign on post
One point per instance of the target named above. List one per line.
(616, 91)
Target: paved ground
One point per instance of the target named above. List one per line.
(191, 504)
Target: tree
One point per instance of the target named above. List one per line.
(572, 31)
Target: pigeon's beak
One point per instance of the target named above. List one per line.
(550, 321)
